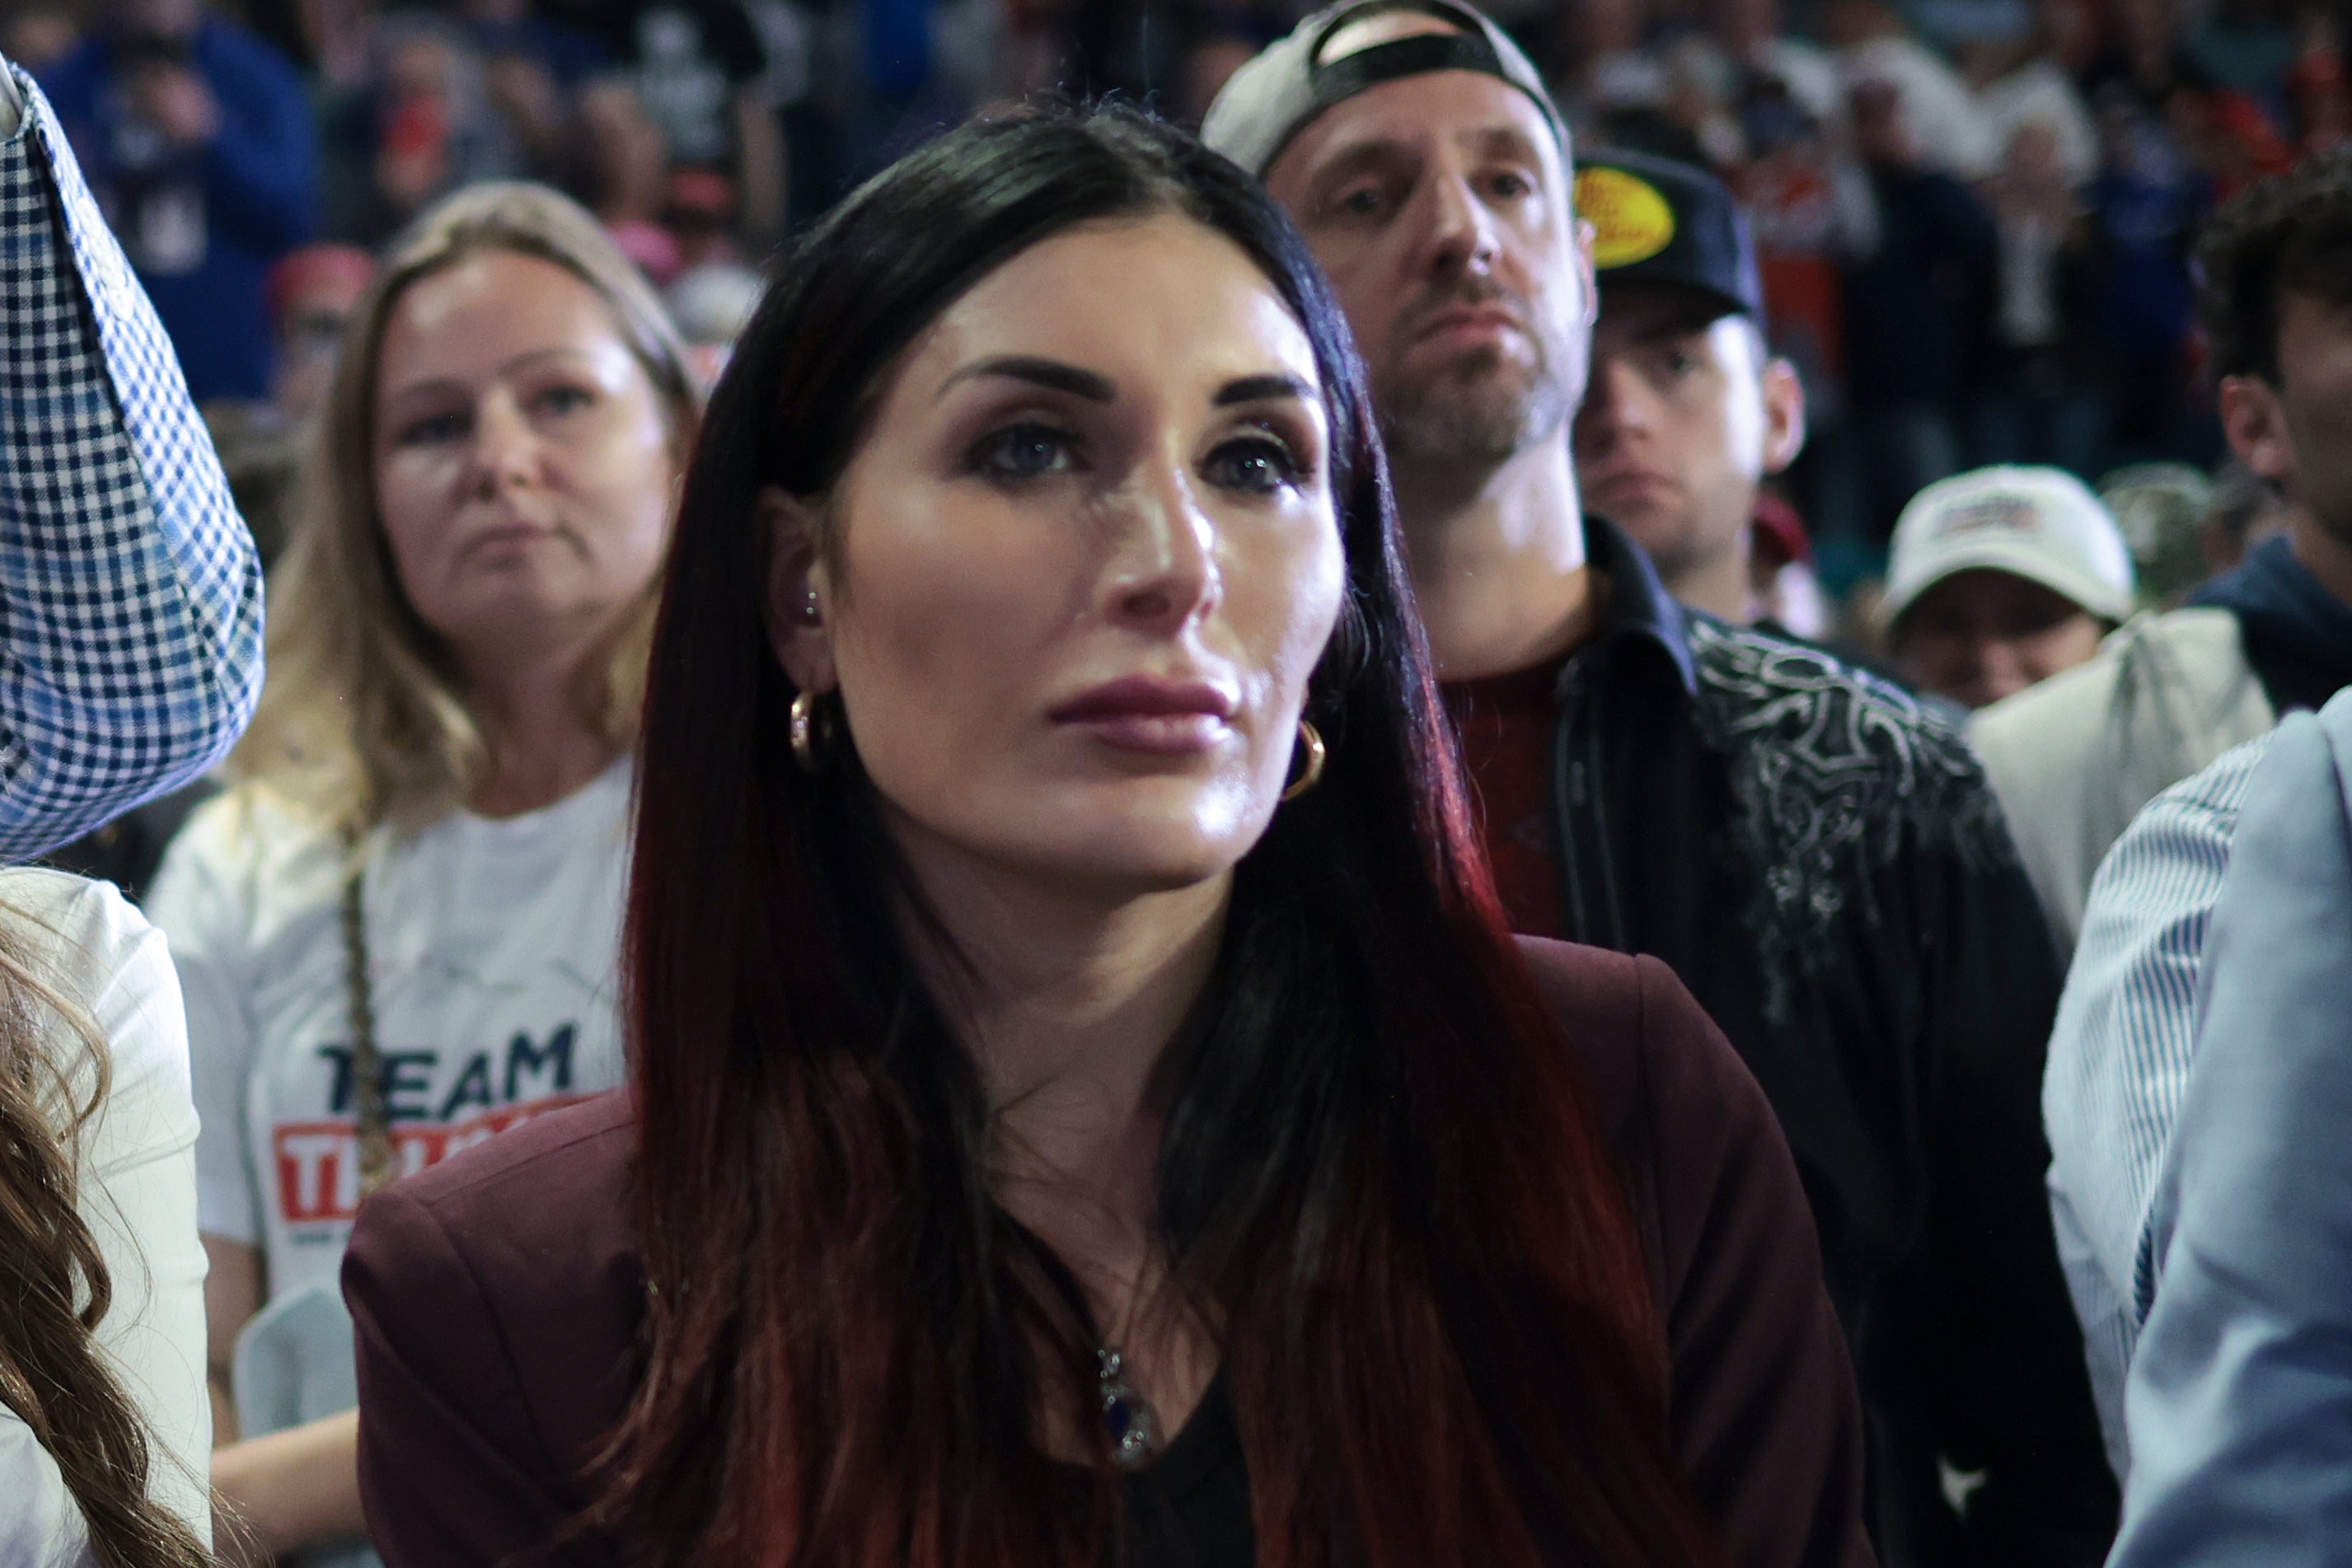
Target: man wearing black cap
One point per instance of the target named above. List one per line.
(1820, 863)
(1687, 410)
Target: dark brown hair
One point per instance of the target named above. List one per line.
(2289, 234)
(52, 1373)
(1379, 1181)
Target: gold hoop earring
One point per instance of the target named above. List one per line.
(804, 730)
(1315, 755)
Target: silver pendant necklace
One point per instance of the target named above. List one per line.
(1134, 1428)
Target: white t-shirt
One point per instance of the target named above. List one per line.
(491, 950)
(137, 1166)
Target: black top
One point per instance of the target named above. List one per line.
(1190, 1507)
(1819, 859)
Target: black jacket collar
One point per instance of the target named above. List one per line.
(1641, 612)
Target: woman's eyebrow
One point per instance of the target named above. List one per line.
(1257, 389)
(1044, 372)
(523, 361)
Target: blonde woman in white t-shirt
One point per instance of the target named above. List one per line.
(397, 931)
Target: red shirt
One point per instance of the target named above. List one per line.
(1506, 724)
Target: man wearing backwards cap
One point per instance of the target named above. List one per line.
(1822, 866)
(1687, 410)
(2000, 579)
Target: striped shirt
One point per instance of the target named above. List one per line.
(130, 590)
(2119, 1058)
(2241, 1397)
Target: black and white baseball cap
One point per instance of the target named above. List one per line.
(1270, 100)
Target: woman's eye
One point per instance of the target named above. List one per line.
(1511, 186)
(561, 400)
(432, 429)
(1259, 464)
(1023, 452)
(1357, 202)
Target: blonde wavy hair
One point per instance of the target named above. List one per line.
(364, 719)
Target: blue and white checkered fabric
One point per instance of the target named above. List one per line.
(2119, 1058)
(130, 592)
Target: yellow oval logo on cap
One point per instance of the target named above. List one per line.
(1630, 221)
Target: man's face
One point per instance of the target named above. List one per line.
(2315, 404)
(1675, 429)
(1438, 205)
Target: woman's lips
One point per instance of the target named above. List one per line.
(1157, 735)
(501, 540)
(1157, 717)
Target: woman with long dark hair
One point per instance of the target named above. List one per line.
(1086, 1104)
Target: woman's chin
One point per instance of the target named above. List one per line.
(1117, 855)
(1165, 831)
(1103, 843)
(519, 615)
(1139, 861)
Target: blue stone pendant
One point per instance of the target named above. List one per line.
(1134, 1429)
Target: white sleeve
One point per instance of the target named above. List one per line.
(1953, 135)
(139, 1160)
(134, 1176)
(199, 900)
(1812, 80)
(41, 1527)
(2069, 118)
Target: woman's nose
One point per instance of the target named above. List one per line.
(506, 448)
(1164, 571)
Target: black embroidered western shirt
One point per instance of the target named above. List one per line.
(1821, 860)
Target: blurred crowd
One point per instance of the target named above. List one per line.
(1972, 217)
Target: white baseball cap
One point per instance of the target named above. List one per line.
(2040, 524)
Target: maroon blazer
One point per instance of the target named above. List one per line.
(497, 1297)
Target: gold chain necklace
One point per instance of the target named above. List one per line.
(377, 1160)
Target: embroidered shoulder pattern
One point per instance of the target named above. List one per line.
(1832, 772)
